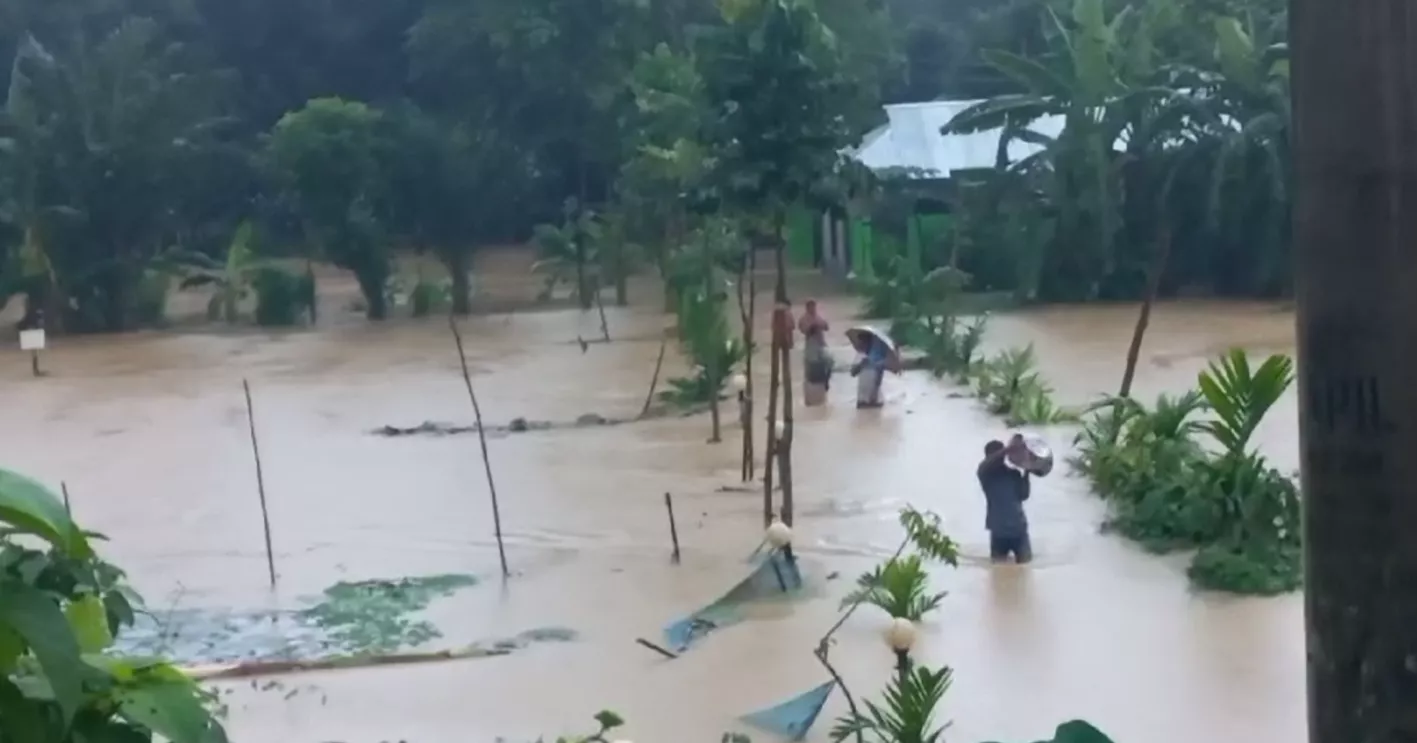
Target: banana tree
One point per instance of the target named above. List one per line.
(569, 254)
(231, 277)
(1076, 81)
(27, 139)
(106, 126)
(1249, 203)
(1102, 77)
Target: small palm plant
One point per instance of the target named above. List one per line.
(900, 588)
(906, 712)
(1034, 406)
(1004, 379)
(1240, 397)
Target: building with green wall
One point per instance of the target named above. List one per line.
(856, 240)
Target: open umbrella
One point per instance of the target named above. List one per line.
(861, 337)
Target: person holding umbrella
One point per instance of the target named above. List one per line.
(878, 354)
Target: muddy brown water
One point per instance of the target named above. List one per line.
(149, 432)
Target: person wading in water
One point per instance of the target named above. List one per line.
(816, 361)
(1005, 490)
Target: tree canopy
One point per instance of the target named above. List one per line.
(134, 131)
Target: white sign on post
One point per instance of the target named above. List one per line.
(32, 340)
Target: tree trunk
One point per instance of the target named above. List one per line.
(1153, 285)
(600, 308)
(784, 452)
(455, 259)
(782, 344)
(622, 290)
(746, 312)
(1355, 226)
(116, 306)
(715, 384)
(371, 284)
(314, 293)
(583, 293)
(774, 375)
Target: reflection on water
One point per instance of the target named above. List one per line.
(149, 433)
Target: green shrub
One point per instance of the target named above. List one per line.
(1009, 385)
(281, 297)
(148, 302)
(706, 339)
(1168, 492)
(428, 297)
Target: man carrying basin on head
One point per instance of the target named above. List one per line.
(1006, 486)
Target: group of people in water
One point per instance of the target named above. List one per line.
(1004, 474)
(876, 354)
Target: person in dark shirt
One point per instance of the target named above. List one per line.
(1005, 490)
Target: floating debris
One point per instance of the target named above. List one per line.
(361, 618)
(374, 616)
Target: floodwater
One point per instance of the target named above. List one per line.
(150, 434)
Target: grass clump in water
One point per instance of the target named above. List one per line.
(375, 616)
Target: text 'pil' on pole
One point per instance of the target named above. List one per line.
(1354, 139)
(260, 482)
(482, 440)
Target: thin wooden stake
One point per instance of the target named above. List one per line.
(64, 488)
(673, 529)
(600, 307)
(654, 380)
(656, 648)
(482, 439)
(260, 482)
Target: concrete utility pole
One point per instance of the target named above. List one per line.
(1355, 147)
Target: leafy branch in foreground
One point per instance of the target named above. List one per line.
(61, 607)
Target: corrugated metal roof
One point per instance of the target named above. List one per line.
(911, 138)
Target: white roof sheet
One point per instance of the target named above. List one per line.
(911, 138)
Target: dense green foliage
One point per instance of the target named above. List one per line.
(1167, 121)
(60, 609)
(699, 277)
(1176, 480)
(136, 131)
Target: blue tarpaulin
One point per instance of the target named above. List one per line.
(775, 575)
(794, 717)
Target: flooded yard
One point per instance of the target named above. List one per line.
(149, 433)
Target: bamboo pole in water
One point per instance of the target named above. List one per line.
(260, 482)
(1355, 228)
(482, 440)
(747, 312)
(770, 442)
(784, 349)
(654, 380)
(784, 454)
(673, 527)
(1153, 287)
